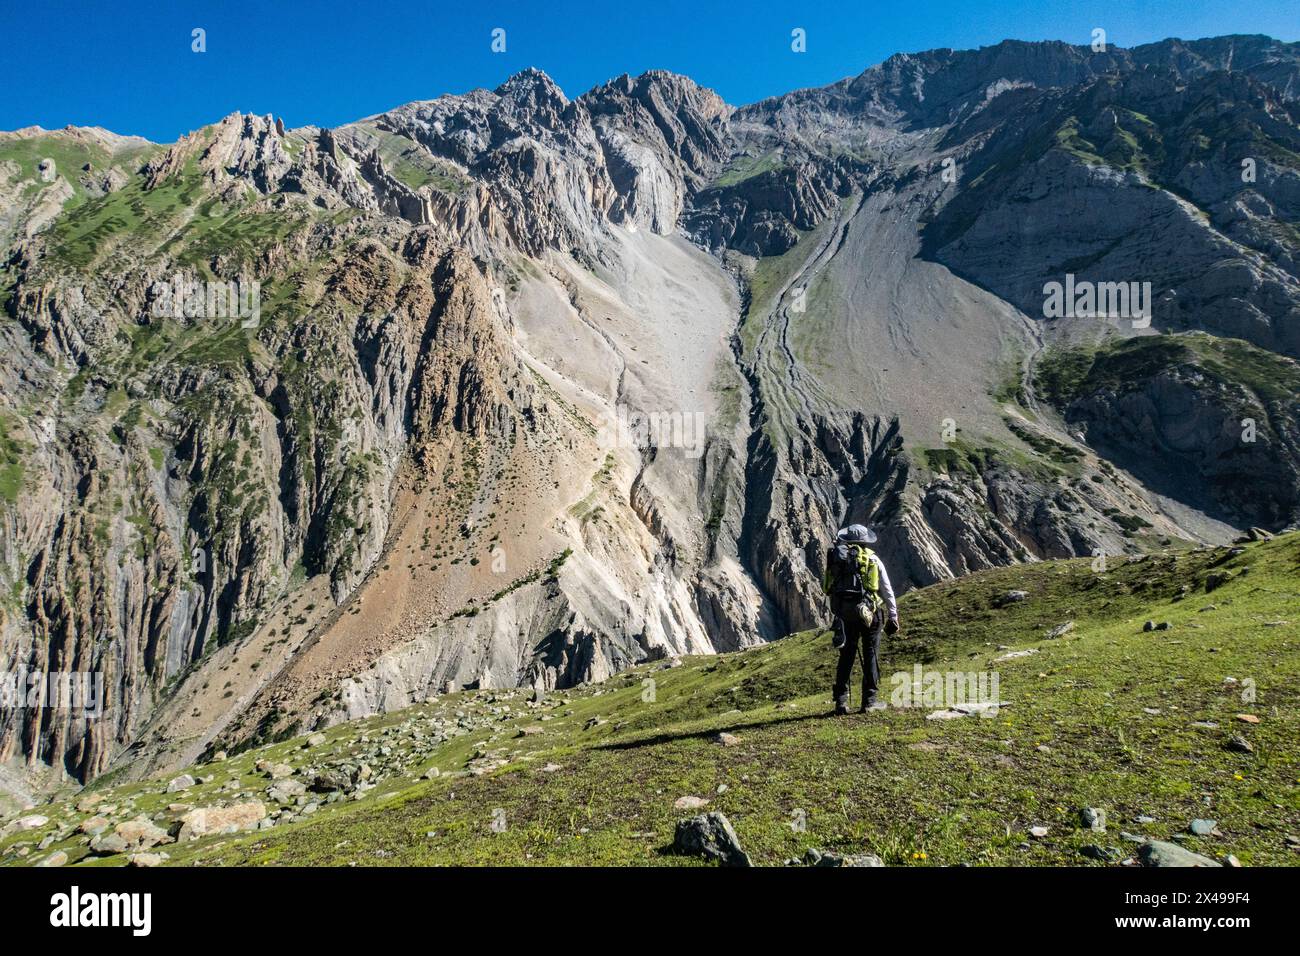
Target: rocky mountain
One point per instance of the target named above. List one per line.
(505, 389)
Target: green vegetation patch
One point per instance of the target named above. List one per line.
(747, 167)
(415, 167)
(1066, 374)
(70, 156)
(11, 461)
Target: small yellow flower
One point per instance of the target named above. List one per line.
(1237, 776)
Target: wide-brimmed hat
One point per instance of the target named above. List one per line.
(856, 534)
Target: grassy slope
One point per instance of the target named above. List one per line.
(1066, 374)
(69, 155)
(912, 790)
(416, 167)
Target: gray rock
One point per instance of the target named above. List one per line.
(1010, 597)
(1106, 854)
(710, 835)
(1157, 853)
(815, 857)
(285, 790)
(328, 780)
(1093, 818)
(177, 784)
(1216, 580)
(109, 844)
(1201, 827)
(141, 833)
(1239, 744)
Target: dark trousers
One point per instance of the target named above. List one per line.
(854, 629)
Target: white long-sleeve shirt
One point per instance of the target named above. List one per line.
(886, 589)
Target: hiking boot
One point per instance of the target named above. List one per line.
(870, 704)
(841, 709)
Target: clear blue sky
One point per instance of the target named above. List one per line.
(127, 65)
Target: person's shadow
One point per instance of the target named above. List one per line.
(666, 738)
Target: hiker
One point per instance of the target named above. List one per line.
(863, 603)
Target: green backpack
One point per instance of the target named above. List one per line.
(852, 580)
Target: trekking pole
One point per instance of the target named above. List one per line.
(862, 662)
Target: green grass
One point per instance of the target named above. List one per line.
(1048, 461)
(238, 235)
(416, 167)
(70, 155)
(11, 462)
(83, 236)
(1065, 374)
(175, 217)
(1135, 143)
(918, 792)
(771, 273)
(1007, 387)
(747, 167)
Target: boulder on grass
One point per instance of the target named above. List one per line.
(141, 833)
(710, 835)
(1158, 853)
(206, 820)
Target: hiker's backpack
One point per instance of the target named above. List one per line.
(852, 578)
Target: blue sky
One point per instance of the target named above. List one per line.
(128, 65)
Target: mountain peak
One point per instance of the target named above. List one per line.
(533, 85)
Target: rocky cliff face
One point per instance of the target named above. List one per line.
(1224, 411)
(1124, 168)
(485, 415)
